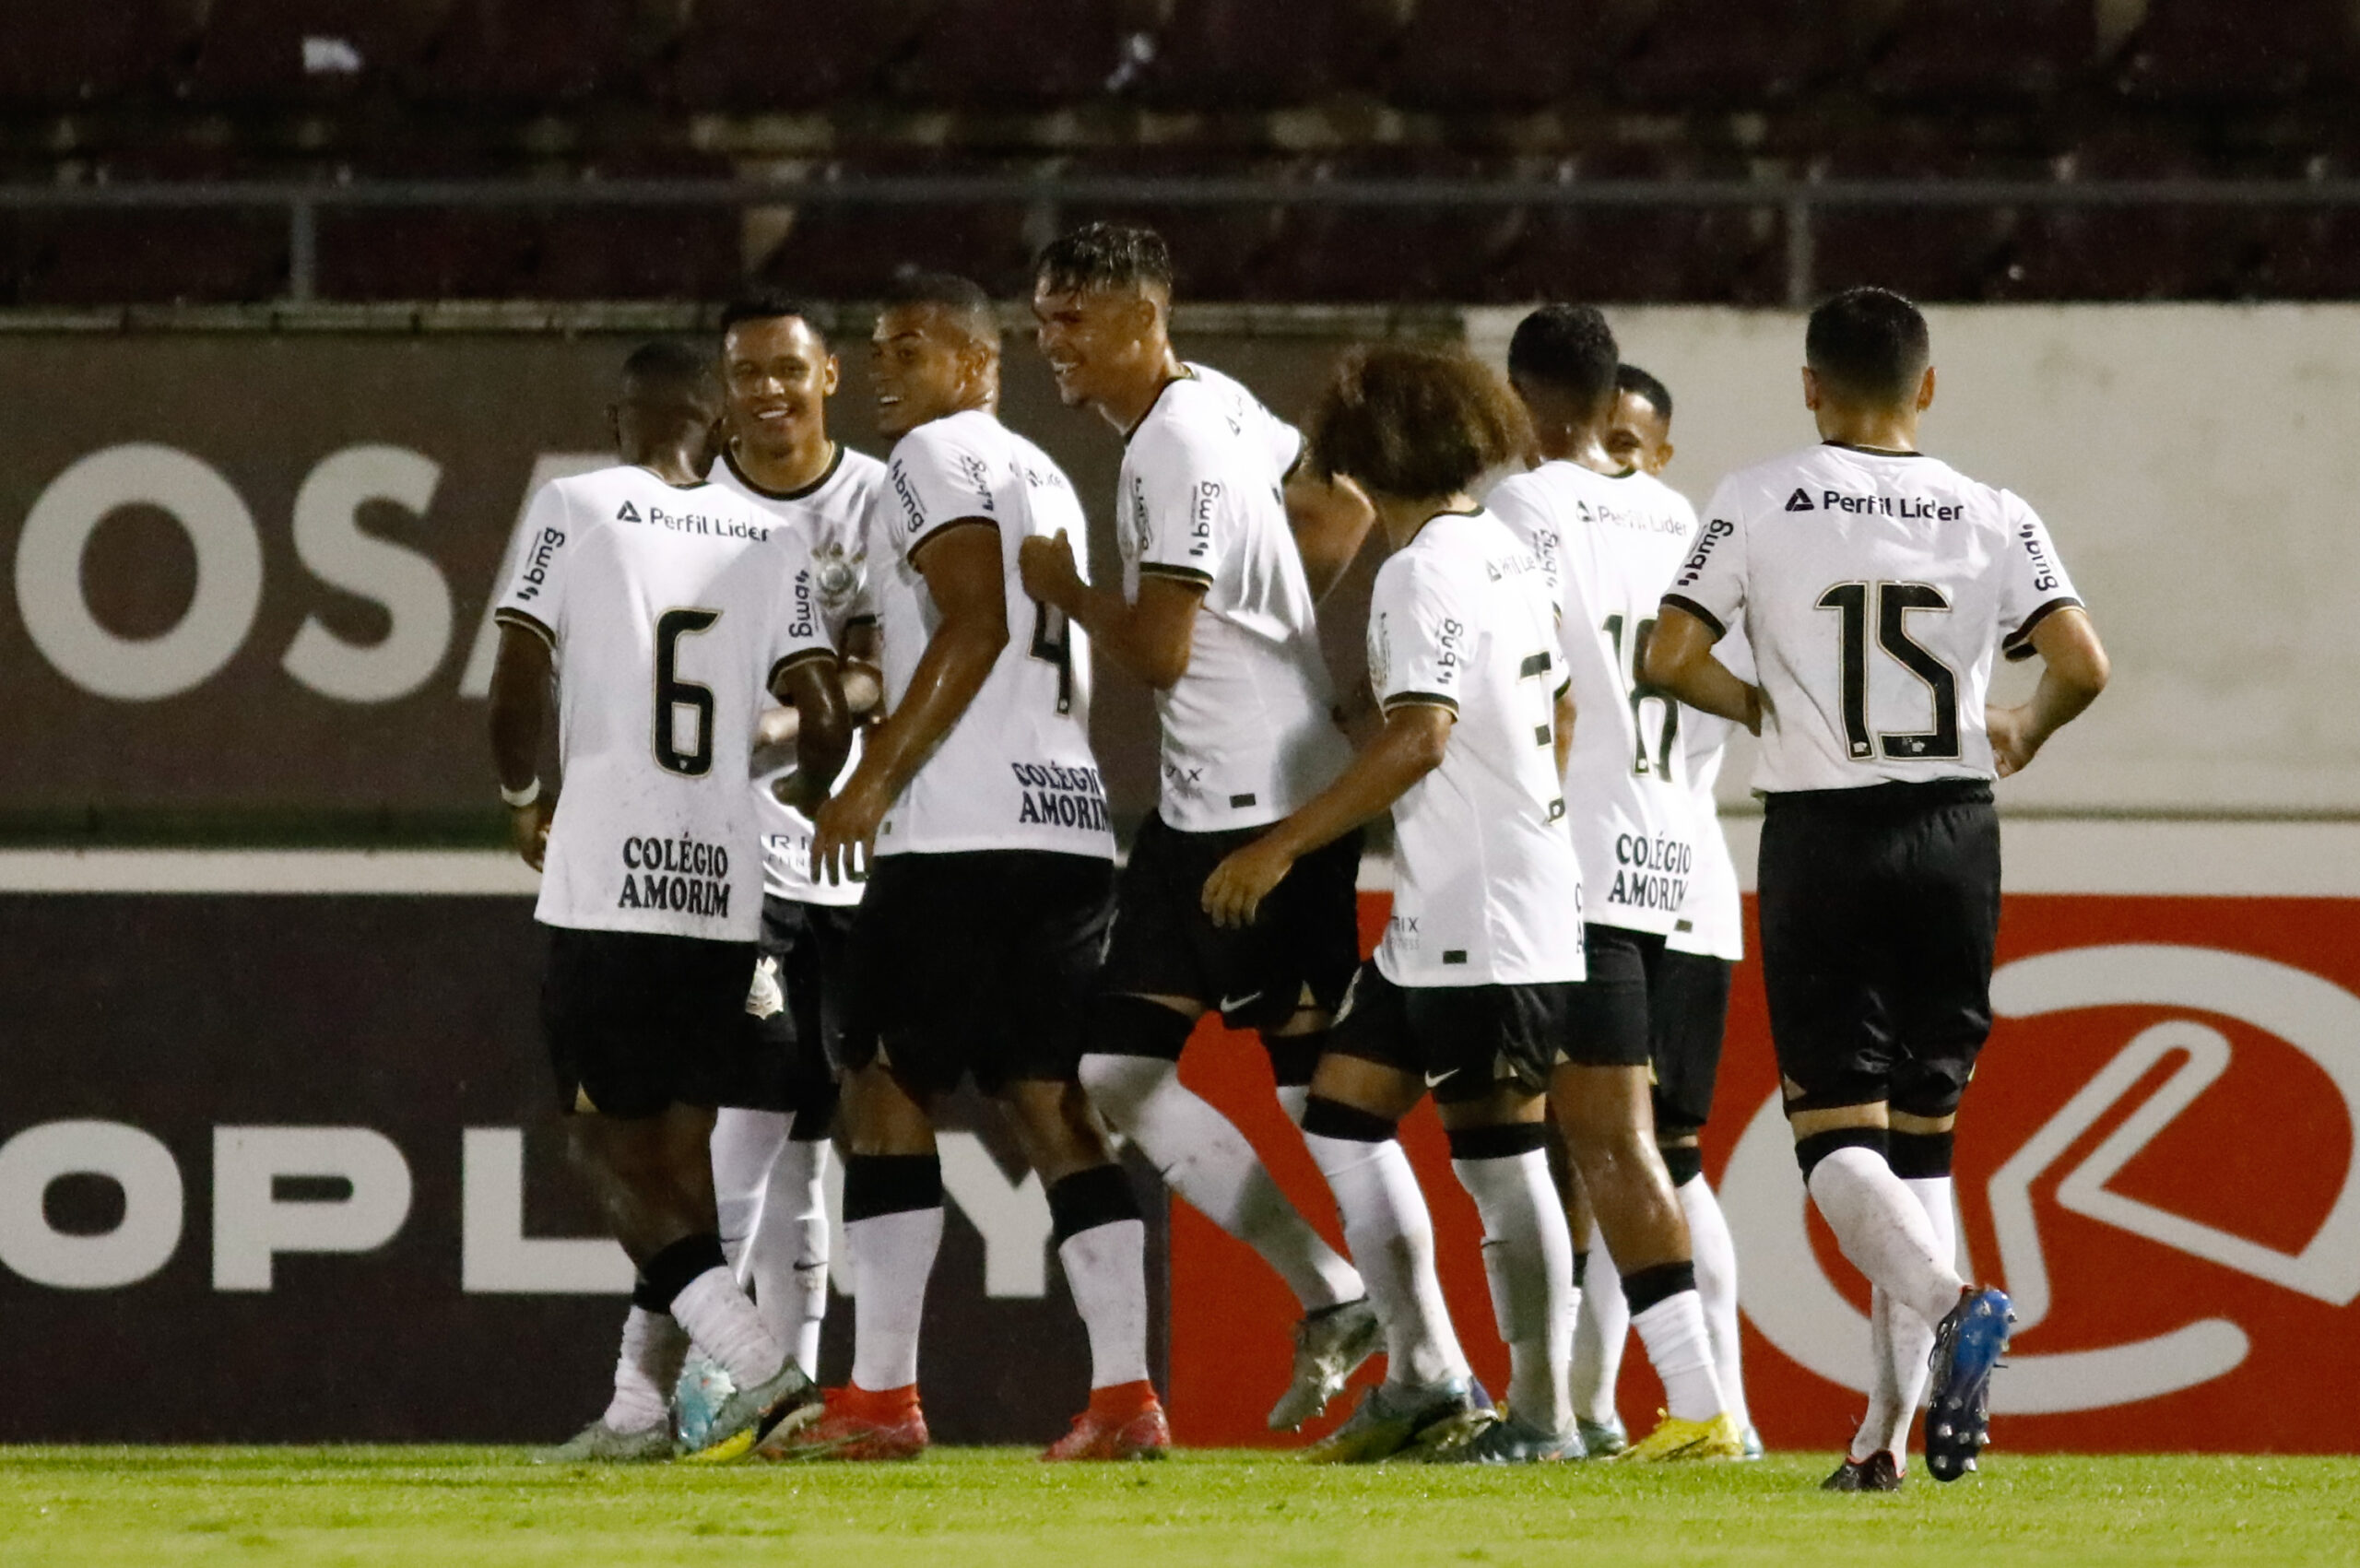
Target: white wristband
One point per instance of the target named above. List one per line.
(518, 799)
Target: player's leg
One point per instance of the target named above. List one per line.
(1688, 1014)
(1601, 1321)
(1600, 1097)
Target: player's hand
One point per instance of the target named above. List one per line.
(2013, 745)
(529, 829)
(1239, 884)
(798, 791)
(1048, 568)
(843, 832)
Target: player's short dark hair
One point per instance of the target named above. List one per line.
(1867, 344)
(670, 365)
(1105, 255)
(961, 297)
(768, 306)
(1646, 388)
(1568, 347)
(1414, 420)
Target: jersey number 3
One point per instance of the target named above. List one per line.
(1894, 601)
(672, 694)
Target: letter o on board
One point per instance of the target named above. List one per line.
(133, 1160)
(49, 572)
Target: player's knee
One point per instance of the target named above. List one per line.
(1095, 1195)
(1682, 1162)
(1506, 1140)
(1812, 1148)
(1324, 1117)
(1918, 1156)
(1294, 1057)
(877, 1184)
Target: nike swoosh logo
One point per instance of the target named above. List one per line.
(1231, 1004)
(1436, 1080)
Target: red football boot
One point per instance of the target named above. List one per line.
(858, 1424)
(1122, 1422)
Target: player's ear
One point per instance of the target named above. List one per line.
(1811, 389)
(1663, 456)
(831, 375)
(1926, 391)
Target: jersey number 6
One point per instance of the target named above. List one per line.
(673, 694)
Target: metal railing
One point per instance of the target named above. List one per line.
(1046, 197)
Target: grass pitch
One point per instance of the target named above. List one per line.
(462, 1508)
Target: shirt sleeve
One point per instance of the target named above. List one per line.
(1520, 505)
(535, 597)
(798, 628)
(935, 481)
(1710, 584)
(1189, 509)
(1418, 636)
(2033, 585)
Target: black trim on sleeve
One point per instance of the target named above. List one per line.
(802, 657)
(1534, 663)
(2016, 646)
(1188, 574)
(518, 618)
(1420, 699)
(835, 461)
(1683, 603)
(939, 530)
(868, 620)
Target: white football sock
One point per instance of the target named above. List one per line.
(1900, 1343)
(1681, 1350)
(787, 1259)
(1600, 1330)
(721, 1320)
(1716, 1256)
(1884, 1232)
(1529, 1262)
(1203, 1157)
(745, 1144)
(653, 1347)
(1294, 1099)
(892, 1256)
(1392, 1240)
(1106, 1270)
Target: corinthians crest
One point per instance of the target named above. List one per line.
(838, 572)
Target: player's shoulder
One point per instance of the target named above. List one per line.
(955, 439)
(1660, 497)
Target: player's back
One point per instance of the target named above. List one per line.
(1613, 543)
(832, 514)
(1016, 771)
(1487, 886)
(668, 609)
(1875, 589)
(1247, 732)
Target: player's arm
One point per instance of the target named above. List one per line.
(1564, 718)
(812, 690)
(961, 562)
(520, 716)
(2073, 671)
(1680, 659)
(1151, 639)
(1330, 519)
(863, 692)
(1411, 745)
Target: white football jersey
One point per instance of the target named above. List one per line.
(832, 512)
(1612, 544)
(669, 610)
(1016, 772)
(1248, 731)
(1874, 587)
(1486, 889)
(1712, 918)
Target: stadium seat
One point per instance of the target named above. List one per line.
(1928, 253)
(424, 254)
(1216, 251)
(1014, 54)
(96, 55)
(529, 54)
(2125, 252)
(2215, 51)
(759, 55)
(1331, 252)
(1701, 255)
(307, 52)
(1489, 56)
(1212, 55)
(1716, 54)
(152, 257)
(848, 251)
(1970, 51)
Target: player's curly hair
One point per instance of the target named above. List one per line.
(1105, 255)
(1415, 420)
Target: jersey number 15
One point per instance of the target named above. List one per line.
(1892, 601)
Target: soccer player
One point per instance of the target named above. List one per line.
(1638, 435)
(1215, 614)
(990, 886)
(663, 607)
(1611, 539)
(1875, 584)
(1471, 992)
(769, 1142)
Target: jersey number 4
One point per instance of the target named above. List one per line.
(1893, 602)
(673, 694)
